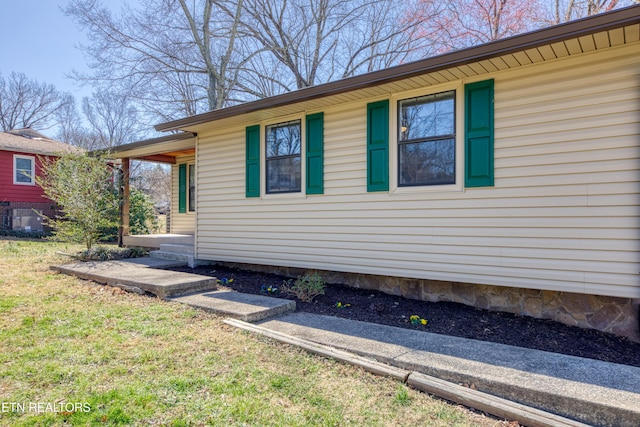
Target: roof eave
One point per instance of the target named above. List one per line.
(38, 152)
(155, 145)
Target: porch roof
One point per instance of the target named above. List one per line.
(164, 149)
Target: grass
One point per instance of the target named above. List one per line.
(109, 358)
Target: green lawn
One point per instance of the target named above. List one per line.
(94, 355)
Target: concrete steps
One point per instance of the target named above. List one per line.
(143, 274)
(246, 307)
(176, 252)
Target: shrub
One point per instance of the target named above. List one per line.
(136, 252)
(101, 253)
(142, 215)
(306, 287)
(27, 234)
(83, 187)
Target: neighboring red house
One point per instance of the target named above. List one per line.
(21, 152)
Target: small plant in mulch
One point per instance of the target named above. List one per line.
(417, 320)
(224, 281)
(377, 308)
(341, 304)
(305, 288)
(269, 290)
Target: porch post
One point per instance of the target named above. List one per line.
(124, 202)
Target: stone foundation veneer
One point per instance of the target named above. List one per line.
(619, 316)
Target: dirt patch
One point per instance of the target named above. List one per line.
(445, 318)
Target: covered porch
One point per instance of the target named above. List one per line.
(178, 151)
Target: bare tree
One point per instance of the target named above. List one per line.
(154, 180)
(70, 129)
(567, 10)
(172, 53)
(300, 34)
(179, 57)
(383, 38)
(28, 103)
(462, 23)
(262, 75)
(458, 24)
(112, 119)
(80, 137)
(317, 41)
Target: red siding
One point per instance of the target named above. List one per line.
(9, 192)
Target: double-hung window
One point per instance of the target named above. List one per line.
(283, 157)
(427, 140)
(186, 187)
(279, 163)
(24, 170)
(192, 187)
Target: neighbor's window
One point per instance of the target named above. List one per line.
(283, 157)
(192, 188)
(23, 170)
(427, 140)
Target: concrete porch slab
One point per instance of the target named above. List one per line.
(142, 273)
(154, 241)
(246, 307)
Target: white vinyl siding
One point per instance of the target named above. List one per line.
(563, 214)
(181, 223)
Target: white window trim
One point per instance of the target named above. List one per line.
(33, 169)
(458, 187)
(303, 153)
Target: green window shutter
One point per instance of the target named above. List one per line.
(378, 146)
(182, 188)
(253, 161)
(478, 139)
(315, 153)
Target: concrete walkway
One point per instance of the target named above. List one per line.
(576, 390)
(594, 392)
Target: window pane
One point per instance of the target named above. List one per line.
(283, 157)
(283, 139)
(283, 175)
(23, 176)
(427, 116)
(428, 163)
(24, 164)
(192, 188)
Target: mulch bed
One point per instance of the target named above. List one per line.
(445, 318)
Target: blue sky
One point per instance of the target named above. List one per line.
(38, 39)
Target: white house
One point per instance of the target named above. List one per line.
(504, 176)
